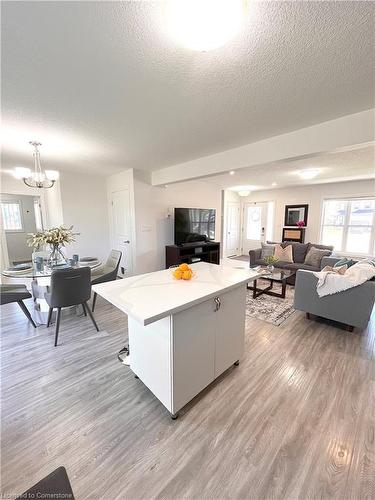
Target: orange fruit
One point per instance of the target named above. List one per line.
(184, 267)
(187, 275)
(177, 273)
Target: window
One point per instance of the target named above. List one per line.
(12, 218)
(349, 225)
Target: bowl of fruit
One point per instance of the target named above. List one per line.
(182, 272)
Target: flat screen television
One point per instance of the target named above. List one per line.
(193, 224)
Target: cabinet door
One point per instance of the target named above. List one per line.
(193, 346)
(230, 329)
(150, 358)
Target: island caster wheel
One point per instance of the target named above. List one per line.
(236, 363)
(174, 416)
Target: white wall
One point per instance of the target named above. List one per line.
(154, 229)
(50, 198)
(312, 195)
(76, 199)
(84, 205)
(54, 209)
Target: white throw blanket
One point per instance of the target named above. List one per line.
(329, 283)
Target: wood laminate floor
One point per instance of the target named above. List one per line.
(295, 420)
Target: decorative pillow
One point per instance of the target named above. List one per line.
(314, 256)
(267, 250)
(284, 254)
(299, 251)
(345, 262)
(322, 247)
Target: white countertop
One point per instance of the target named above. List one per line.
(150, 297)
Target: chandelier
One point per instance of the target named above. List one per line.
(37, 178)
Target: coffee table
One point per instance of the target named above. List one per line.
(277, 276)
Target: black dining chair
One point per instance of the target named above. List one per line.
(108, 272)
(16, 293)
(69, 287)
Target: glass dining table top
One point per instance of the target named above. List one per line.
(46, 272)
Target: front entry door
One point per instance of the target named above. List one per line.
(254, 229)
(121, 229)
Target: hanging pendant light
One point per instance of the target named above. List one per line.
(38, 178)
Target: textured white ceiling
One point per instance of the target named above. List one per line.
(333, 167)
(104, 88)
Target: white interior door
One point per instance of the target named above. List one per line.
(121, 229)
(232, 237)
(254, 226)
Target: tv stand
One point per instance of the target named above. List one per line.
(201, 251)
(192, 244)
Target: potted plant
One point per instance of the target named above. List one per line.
(271, 260)
(56, 238)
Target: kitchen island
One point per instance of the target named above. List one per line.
(182, 334)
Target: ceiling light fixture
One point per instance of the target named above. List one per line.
(232, 172)
(243, 193)
(274, 184)
(308, 174)
(38, 178)
(204, 24)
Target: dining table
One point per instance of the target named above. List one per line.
(39, 281)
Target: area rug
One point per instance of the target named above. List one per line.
(270, 309)
(243, 258)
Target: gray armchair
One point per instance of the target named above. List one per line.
(108, 272)
(352, 307)
(69, 287)
(16, 293)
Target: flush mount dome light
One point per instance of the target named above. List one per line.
(204, 24)
(308, 174)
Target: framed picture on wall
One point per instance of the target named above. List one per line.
(295, 213)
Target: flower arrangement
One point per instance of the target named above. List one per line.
(56, 237)
(270, 260)
(301, 223)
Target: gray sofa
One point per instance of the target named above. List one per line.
(352, 307)
(299, 253)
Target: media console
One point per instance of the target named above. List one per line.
(192, 252)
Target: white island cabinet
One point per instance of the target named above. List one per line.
(182, 334)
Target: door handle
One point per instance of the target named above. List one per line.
(219, 301)
(127, 241)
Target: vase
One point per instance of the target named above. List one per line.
(56, 256)
(271, 268)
